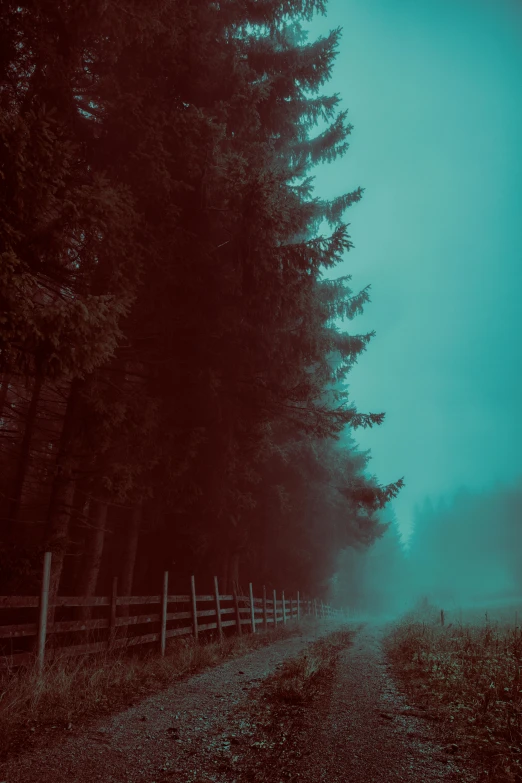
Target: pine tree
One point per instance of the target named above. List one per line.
(162, 269)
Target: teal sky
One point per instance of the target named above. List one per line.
(434, 93)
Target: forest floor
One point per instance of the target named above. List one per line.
(297, 710)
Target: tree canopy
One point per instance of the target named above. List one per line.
(172, 341)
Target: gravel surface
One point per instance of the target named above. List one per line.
(362, 731)
(367, 732)
(177, 735)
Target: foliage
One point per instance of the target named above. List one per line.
(373, 579)
(163, 277)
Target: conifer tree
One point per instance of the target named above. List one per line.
(162, 273)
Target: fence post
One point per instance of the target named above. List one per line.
(252, 613)
(265, 618)
(218, 609)
(164, 602)
(315, 608)
(442, 616)
(112, 620)
(238, 613)
(275, 609)
(43, 611)
(283, 605)
(291, 599)
(194, 607)
(298, 614)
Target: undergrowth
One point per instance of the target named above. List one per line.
(471, 675)
(295, 681)
(70, 690)
(282, 715)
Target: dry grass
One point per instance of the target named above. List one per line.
(73, 689)
(471, 675)
(295, 681)
(282, 715)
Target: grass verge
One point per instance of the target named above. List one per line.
(279, 722)
(470, 675)
(297, 680)
(73, 690)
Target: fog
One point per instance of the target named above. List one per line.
(465, 550)
(433, 92)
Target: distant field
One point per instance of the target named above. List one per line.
(502, 611)
(470, 672)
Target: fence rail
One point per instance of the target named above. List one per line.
(246, 610)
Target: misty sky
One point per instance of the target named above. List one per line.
(433, 90)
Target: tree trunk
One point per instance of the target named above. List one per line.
(93, 553)
(62, 492)
(3, 392)
(15, 500)
(130, 549)
(77, 524)
(223, 583)
(233, 575)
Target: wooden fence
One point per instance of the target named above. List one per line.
(225, 611)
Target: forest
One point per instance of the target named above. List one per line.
(174, 341)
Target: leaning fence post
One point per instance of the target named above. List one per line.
(112, 620)
(298, 611)
(164, 602)
(283, 605)
(43, 611)
(238, 613)
(218, 609)
(265, 618)
(252, 613)
(194, 607)
(275, 609)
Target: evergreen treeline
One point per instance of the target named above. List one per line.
(374, 579)
(172, 371)
(468, 547)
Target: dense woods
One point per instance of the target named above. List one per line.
(464, 549)
(172, 334)
(375, 579)
(467, 546)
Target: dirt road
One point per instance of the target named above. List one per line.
(364, 732)
(368, 733)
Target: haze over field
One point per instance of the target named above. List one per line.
(465, 550)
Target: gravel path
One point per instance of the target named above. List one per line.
(363, 731)
(177, 735)
(367, 732)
